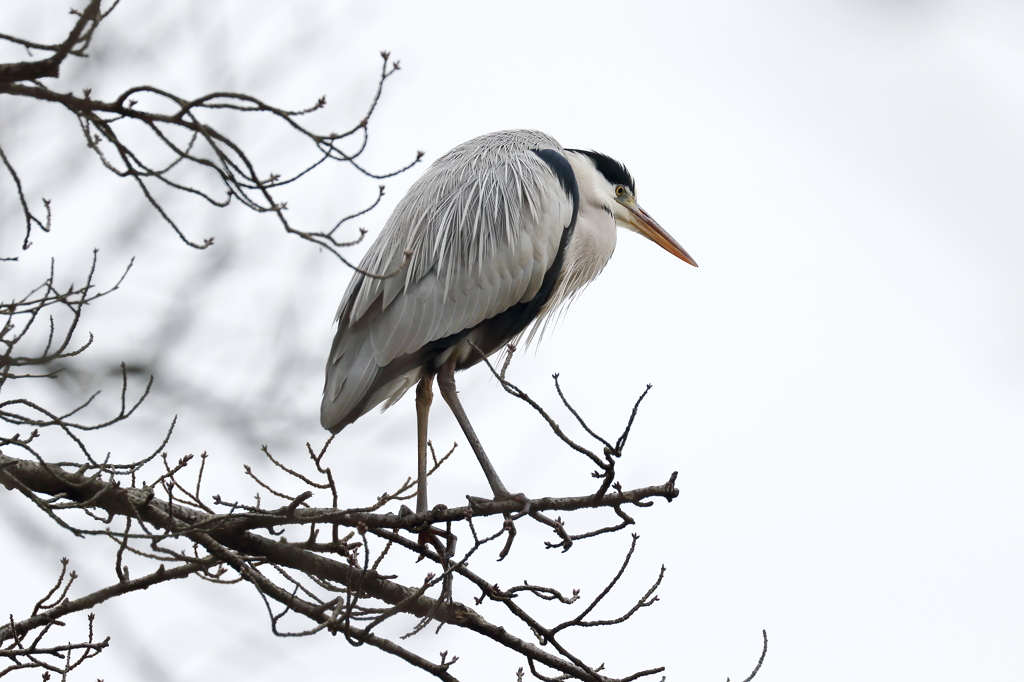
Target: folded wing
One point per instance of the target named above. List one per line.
(486, 226)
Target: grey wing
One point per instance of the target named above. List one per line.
(485, 229)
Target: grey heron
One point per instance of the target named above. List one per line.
(497, 234)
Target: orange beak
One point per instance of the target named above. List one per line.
(649, 227)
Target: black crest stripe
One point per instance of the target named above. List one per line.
(613, 171)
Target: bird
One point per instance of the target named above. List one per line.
(496, 235)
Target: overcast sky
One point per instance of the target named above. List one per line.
(840, 383)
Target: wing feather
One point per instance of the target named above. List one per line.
(484, 225)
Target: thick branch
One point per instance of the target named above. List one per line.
(50, 67)
(202, 527)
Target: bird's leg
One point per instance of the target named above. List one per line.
(446, 384)
(429, 534)
(424, 396)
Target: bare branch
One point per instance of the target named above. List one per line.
(76, 43)
(319, 562)
(760, 661)
(219, 155)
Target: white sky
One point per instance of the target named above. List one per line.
(840, 384)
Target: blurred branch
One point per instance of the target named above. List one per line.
(23, 313)
(183, 137)
(76, 43)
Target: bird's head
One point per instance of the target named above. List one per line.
(618, 190)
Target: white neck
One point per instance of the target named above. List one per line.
(592, 243)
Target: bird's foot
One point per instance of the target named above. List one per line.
(430, 536)
(476, 502)
(526, 510)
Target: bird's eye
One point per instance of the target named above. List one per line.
(619, 190)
